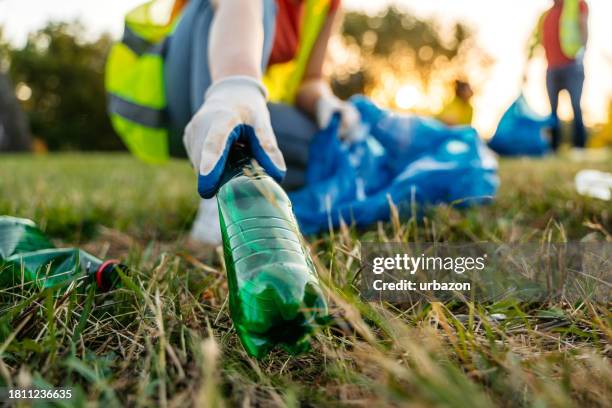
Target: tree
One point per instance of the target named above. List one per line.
(59, 73)
(63, 77)
(395, 46)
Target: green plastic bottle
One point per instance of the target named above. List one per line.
(18, 235)
(27, 257)
(275, 295)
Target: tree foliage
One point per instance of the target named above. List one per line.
(64, 76)
(398, 43)
(62, 71)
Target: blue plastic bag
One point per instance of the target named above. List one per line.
(405, 160)
(521, 132)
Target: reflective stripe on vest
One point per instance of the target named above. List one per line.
(283, 80)
(139, 45)
(139, 114)
(135, 86)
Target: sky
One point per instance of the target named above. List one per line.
(502, 28)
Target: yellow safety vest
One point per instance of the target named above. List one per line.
(135, 77)
(603, 135)
(456, 112)
(570, 34)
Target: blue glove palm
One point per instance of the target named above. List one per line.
(208, 184)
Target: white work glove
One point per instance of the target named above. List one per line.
(328, 104)
(234, 109)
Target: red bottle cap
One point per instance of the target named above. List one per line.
(109, 265)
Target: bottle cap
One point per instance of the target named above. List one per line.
(106, 275)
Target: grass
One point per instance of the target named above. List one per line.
(166, 338)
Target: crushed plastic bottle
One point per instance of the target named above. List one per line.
(27, 257)
(275, 294)
(18, 235)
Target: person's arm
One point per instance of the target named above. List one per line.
(236, 39)
(235, 103)
(313, 84)
(535, 39)
(315, 96)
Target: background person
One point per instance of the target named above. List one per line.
(459, 111)
(563, 31)
(14, 131)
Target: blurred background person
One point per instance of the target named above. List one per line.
(459, 111)
(563, 32)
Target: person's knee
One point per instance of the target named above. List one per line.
(294, 131)
(291, 123)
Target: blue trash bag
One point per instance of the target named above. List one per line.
(521, 132)
(403, 160)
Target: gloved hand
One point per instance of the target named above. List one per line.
(328, 104)
(234, 108)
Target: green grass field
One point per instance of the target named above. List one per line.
(166, 339)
